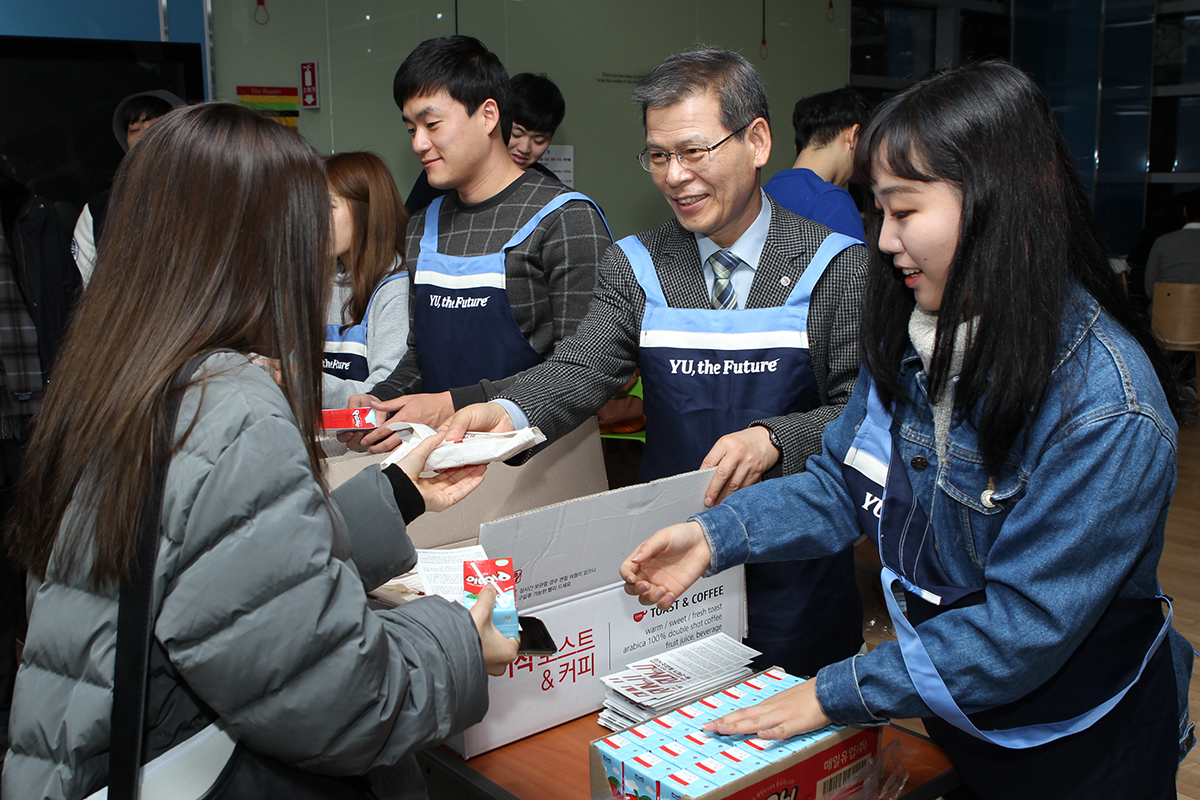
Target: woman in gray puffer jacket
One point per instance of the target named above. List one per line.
(259, 587)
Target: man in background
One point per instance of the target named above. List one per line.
(1175, 257)
(133, 117)
(827, 127)
(39, 285)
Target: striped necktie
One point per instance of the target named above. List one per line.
(723, 263)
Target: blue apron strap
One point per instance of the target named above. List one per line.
(643, 270)
(933, 691)
(833, 244)
(526, 229)
(371, 301)
(430, 236)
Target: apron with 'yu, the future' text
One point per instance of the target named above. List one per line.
(1014, 738)
(462, 320)
(709, 372)
(346, 345)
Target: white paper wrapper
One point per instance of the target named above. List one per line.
(473, 448)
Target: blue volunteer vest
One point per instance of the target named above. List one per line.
(894, 519)
(463, 323)
(706, 373)
(346, 350)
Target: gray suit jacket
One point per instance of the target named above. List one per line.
(587, 368)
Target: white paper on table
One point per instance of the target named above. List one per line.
(473, 448)
(441, 571)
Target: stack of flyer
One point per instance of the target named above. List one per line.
(646, 689)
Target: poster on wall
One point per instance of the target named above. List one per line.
(278, 103)
(560, 159)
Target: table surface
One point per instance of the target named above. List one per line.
(555, 763)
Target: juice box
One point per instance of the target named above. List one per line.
(499, 573)
(675, 752)
(693, 714)
(644, 737)
(713, 771)
(648, 770)
(613, 750)
(767, 749)
(716, 706)
(703, 742)
(348, 419)
(758, 689)
(775, 676)
(678, 784)
(670, 726)
(738, 696)
(739, 758)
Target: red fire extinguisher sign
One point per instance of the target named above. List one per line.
(310, 96)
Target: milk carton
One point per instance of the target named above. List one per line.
(499, 573)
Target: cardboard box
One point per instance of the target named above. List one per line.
(820, 765)
(569, 555)
(571, 467)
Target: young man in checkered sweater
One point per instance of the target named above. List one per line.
(503, 265)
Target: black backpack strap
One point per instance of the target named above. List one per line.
(135, 618)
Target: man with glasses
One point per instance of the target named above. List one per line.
(742, 318)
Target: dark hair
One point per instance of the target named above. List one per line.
(1191, 205)
(217, 237)
(143, 106)
(820, 118)
(462, 67)
(1027, 235)
(538, 105)
(378, 219)
(736, 83)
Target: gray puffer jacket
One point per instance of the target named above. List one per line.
(262, 616)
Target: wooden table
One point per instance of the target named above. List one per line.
(554, 764)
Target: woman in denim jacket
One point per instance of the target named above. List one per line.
(1010, 447)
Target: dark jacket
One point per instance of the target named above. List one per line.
(46, 274)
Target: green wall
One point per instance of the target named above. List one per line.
(594, 51)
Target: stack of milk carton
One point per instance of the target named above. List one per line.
(645, 689)
(670, 756)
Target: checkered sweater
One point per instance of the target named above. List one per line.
(550, 275)
(587, 368)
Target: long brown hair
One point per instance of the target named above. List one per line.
(378, 218)
(217, 237)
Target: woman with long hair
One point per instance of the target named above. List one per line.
(1010, 448)
(261, 620)
(367, 319)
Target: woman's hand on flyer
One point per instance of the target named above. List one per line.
(446, 488)
(665, 565)
(780, 716)
(498, 650)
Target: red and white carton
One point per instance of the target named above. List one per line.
(820, 765)
(348, 419)
(499, 573)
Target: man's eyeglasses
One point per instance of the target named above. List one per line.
(688, 157)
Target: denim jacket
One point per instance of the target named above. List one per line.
(1077, 518)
